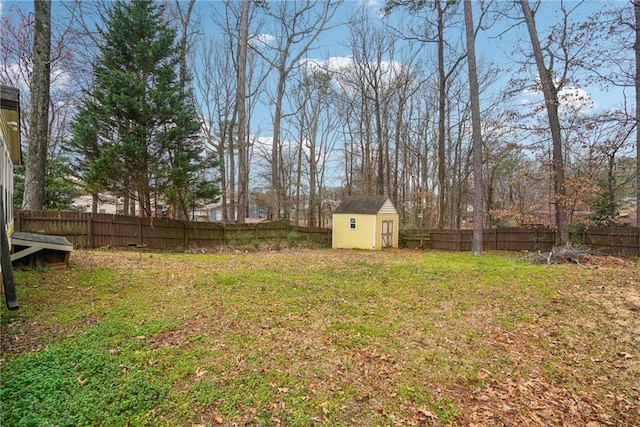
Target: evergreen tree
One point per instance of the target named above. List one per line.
(59, 191)
(138, 133)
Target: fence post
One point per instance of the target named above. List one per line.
(90, 231)
(185, 235)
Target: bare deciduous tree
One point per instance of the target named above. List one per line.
(550, 91)
(474, 91)
(39, 134)
(298, 25)
(636, 48)
(243, 172)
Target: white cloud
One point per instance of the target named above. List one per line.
(262, 144)
(342, 69)
(333, 64)
(261, 39)
(372, 3)
(574, 99)
(60, 79)
(18, 77)
(570, 98)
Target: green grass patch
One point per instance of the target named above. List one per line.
(80, 382)
(313, 337)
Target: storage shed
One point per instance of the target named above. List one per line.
(365, 222)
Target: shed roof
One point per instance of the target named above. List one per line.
(362, 204)
(19, 237)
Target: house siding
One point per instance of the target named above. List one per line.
(361, 237)
(6, 190)
(6, 183)
(10, 153)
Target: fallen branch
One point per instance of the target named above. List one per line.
(561, 255)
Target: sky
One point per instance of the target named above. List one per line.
(491, 44)
(495, 44)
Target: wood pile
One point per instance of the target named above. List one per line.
(567, 254)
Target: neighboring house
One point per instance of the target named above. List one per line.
(366, 222)
(256, 213)
(106, 205)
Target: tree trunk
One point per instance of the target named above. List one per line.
(232, 198)
(183, 77)
(474, 92)
(39, 142)
(299, 175)
(94, 203)
(220, 148)
(275, 148)
(313, 169)
(183, 43)
(381, 143)
(243, 174)
(550, 92)
(442, 96)
(611, 186)
(636, 47)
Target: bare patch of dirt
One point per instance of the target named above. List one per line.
(176, 337)
(22, 336)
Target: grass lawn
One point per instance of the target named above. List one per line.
(322, 337)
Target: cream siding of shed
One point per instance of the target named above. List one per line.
(372, 215)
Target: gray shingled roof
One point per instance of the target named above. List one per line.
(9, 97)
(41, 238)
(361, 204)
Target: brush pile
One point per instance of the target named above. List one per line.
(567, 254)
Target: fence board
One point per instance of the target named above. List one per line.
(415, 238)
(206, 235)
(446, 239)
(87, 230)
(618, 240)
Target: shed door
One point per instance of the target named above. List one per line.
(387, 233)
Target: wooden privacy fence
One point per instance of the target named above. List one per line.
(86, 230)
(617, 240)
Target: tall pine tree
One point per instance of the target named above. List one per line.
(138, 132)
